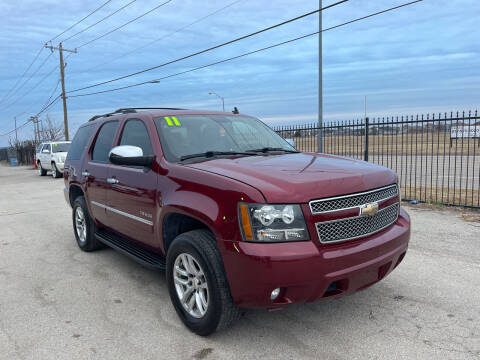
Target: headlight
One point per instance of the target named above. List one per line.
(272, 223)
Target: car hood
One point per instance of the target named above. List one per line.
(301, 177)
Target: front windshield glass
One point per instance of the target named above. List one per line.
(185, 135)
(60, 147)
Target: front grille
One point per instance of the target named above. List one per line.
(352, 228)
(354, 200)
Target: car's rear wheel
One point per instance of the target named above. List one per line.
(41, 170)
(198, 285)
(83, 226)
(55, 173)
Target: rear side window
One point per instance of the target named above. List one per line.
(104, 141)
(60, 147)
(135, 133)
(79, 142)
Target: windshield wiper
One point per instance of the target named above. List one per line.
(209, 154)
(272, 149)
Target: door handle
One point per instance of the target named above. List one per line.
(112, 181)
(85, 173)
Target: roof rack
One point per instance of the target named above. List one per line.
(131, 110)
(147, 108)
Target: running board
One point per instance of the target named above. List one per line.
(137, 253)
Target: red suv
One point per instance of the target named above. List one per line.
(235, 215)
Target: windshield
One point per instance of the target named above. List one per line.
(185, 135)
(60, 147)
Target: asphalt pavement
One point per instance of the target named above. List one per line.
(57, 302)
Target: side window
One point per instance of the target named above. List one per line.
(47, 147)
(135, 133)
(39, 148)
(104, 141)
(79, 142)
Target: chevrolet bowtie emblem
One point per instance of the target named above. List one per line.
(369, 209)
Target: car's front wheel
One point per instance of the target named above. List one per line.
(197, 283)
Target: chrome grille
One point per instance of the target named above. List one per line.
(354, 200)
(352, 228)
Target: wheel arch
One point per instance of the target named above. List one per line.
(175, 223)
(74, 192)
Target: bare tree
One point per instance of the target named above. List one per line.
(50, 130)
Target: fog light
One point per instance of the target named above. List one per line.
(275, 294)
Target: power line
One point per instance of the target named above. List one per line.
(33, 87)
(45, 108)
(53, 102)
(37, 84)
(26, 81)
(79, 21)
(53, 92)
(21, 77)
(211, 48)
(246, 54)
(374, 14)
(41, 49)
(199, 67)
(17, 128)
(99, 21)
(121, 26)
(163, 37)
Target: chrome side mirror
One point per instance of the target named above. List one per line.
(130, 156)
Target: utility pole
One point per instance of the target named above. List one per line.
(62, 79)
(34, 120)
(16, 137)
(320, 80)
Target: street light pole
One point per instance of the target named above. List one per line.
(221, 98)
(320, 80)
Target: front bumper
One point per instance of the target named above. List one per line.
(308, 271)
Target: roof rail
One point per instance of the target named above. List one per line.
(131, 110)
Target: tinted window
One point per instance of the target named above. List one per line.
(47, 147)
(104, 141)
(79, 142)
(135, 133)
(60, 147)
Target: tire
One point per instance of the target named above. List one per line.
(41, 170)
(220, 310)
(85, 232)
(55, 173)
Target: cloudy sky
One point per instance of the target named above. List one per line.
(418, 59)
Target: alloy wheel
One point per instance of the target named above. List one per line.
(191, 285)
(80, 225)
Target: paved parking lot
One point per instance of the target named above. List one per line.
(57, 302)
